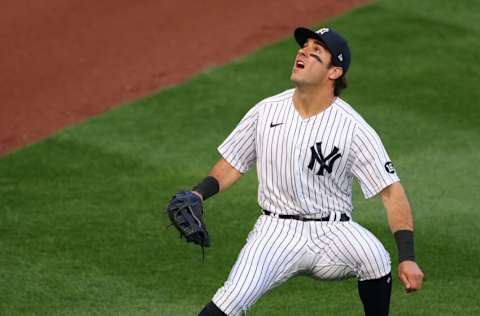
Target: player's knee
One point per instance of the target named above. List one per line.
(375, 265)
(236, 300)
(235, 304)
(211, 310)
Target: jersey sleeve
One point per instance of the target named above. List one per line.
(371, 164)
(238, 149)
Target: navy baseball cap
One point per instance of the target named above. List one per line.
(336, 44)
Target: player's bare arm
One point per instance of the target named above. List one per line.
(225, 174)
(398, 208)
(400, 220)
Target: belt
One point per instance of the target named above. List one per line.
(343, 217)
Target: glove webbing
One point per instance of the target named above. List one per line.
(203, 248)
(200, 225)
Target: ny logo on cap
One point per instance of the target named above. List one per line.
(340, 57)
(323, 31)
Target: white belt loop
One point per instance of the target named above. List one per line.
(335, 216)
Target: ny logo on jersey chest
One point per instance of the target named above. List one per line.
(326, 163)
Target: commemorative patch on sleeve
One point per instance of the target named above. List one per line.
(389, 167)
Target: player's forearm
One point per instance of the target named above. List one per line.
(399, 212)
(222, 176)
(400, 220)
(225, 174)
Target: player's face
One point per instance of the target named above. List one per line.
(312, 64)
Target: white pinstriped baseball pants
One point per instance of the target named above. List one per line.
(277, 249)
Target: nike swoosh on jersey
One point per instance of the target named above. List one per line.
(273, 125)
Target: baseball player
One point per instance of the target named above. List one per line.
(308, 145)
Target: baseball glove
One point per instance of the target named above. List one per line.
(186, 214)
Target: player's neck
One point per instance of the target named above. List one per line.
(309, 102)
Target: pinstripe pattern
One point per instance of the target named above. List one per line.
(282, 154)
(306, 167)
(278, 249)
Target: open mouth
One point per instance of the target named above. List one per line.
(300, 64)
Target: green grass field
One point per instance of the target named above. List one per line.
(82, 231)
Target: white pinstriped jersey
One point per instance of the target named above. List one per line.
(306, 166)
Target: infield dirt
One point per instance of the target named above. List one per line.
(64, 61)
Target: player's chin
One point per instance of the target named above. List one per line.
(294, 77)
(298, 82)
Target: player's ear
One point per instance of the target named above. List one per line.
(335, 73)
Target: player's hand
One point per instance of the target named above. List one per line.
(410, 275)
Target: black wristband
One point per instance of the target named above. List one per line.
(208, 187)
(404, 240)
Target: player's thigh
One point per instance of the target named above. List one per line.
(272, 253)
(352, 251)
